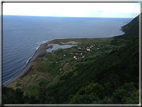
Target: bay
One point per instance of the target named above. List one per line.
(22, 35)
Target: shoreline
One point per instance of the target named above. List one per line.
(40, 52)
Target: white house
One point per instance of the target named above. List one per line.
(74, 57)
(88, 49)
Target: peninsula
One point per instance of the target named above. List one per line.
(96, 71)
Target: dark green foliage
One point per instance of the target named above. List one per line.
(42, 95)
(93, 89)
(131, 32)
(11, 96)
(132, 27)
(111, 71)
(108, 78)
(83, 99)
(5, 100)
(87, 95)
(18, 84)
(66, 76)
(123, 94)
(109, 88)
(133, 99)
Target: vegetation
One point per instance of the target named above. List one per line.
(107, 74)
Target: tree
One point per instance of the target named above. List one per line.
(42, 95)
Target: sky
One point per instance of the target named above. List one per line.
(116, 10)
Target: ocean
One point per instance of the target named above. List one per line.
(22, 35)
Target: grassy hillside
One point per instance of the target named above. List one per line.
(55, 64)
(108, 73)
(131, 31)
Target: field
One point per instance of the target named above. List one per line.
(95, 71)
(58, 62)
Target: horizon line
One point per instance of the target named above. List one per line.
(68, 16)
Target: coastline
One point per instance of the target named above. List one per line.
(39, 53)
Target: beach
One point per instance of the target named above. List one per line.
(41, 51)
(17, 52)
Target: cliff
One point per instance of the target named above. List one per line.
(112, 77)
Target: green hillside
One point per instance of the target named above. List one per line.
(109, 73)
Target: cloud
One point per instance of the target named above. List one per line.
(70, 9)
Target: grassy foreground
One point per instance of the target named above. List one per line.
(96, 71)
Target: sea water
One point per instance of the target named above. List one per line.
(57, 46)
(22, 35)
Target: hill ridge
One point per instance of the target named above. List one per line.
(110, 77)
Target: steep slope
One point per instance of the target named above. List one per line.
(131, 31)
(111, 71)
(109, 78)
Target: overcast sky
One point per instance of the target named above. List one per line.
(125, 10)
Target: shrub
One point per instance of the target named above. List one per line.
(109, 88)
(93, 89)
(121, 94)
(83, 99)
(5, 100)
(133, 99)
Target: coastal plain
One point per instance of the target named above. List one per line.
(92, 71)
(52, 65)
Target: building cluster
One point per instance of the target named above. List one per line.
(90, 48)
(80, 55)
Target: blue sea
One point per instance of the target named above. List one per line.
(22, 35)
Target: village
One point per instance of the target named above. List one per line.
(75, 54)
(61, 61)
